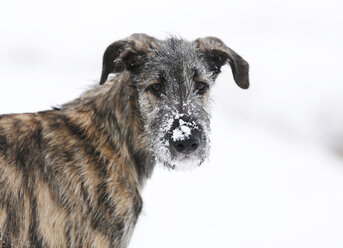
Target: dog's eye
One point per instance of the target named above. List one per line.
(201, 87)
(156, 89)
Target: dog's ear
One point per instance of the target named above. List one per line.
(216, 54)
(129, 54)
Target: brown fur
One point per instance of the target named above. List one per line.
(67, 177)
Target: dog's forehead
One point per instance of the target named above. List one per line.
(175, 54)
(174, 60)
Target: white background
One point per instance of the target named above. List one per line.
(275, 175)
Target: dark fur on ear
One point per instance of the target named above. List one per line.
(129, 54)
(216, 53)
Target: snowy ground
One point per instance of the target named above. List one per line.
(275, 175)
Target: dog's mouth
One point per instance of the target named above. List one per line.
(186, 163)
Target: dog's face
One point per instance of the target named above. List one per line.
(173, 100)
(173, 79)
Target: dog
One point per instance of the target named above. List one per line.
(72, 176)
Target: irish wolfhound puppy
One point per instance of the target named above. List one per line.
(72, 176)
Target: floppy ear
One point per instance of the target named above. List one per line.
(216, 54)
(129, 54)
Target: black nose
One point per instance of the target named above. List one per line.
(187, 145)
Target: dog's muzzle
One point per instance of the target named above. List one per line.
(185, 136)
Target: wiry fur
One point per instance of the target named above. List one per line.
(178, 69)
(72, 176)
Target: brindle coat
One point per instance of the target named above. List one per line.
(72, 176)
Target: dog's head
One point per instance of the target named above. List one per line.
(173, 78)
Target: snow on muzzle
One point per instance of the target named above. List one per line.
(185, 136)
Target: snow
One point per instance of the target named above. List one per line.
(183, 131)
(275, 174)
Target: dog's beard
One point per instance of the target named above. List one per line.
(184, 164)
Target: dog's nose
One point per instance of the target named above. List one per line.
(188, 144)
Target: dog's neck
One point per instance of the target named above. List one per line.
(110, 115)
